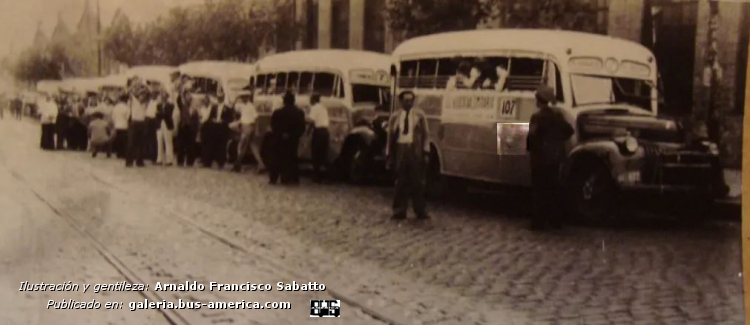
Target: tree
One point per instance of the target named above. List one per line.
(421, 17)
(40, 64)
(120, 42)
(551, 14)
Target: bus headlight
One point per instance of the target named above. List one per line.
(631, 144)
(712, 147)
(627, 143)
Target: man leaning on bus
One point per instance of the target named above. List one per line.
(409, 152)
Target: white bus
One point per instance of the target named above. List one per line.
(354, 86)
(477, 89)
(211, 78)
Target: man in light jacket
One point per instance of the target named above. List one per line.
(49, 116)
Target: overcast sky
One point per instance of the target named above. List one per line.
(19, 18)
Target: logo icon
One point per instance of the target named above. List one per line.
(325, 308)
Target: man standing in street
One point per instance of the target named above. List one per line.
(248, 115)
(548, 132)
(409, 151)
(215, 132)
(321, 137)
(149, 147)
(287, 126)
(137, 128)
(49, 114)
(165, 116)
(189, 123)
(120, 116)
(62, 123)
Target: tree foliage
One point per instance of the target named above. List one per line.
(39, 64)
(421, 17)
(216, 30)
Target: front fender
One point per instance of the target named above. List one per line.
(604, 151)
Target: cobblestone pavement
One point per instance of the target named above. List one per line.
(475, 249)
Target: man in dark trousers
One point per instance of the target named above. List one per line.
(187, 130)
(215, 132)
(62, 123)
(548, 132)
(409, 151)
(287, 126)
(137, 128)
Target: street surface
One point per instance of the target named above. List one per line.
(68, 217)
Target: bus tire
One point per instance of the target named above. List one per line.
(593, 192)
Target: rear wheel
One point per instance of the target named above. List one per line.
(593, 192)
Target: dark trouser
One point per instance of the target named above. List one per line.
(61, 131)
(214, 137)
(77, 137)
(410, 182)
(136, 138)
(284, 162)
(186, 146)
(320, 141)
(149, 146)
(547, 195)
(48, 137)
(101, 147)
(120, 143)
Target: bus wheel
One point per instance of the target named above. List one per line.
(593, 192)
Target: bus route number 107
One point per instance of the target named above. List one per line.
(506, 109)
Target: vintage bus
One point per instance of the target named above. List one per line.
(113, 86)
(477, 89)
(154, 76)
(354, 86)
(211, 78)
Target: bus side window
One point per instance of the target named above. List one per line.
(260, 84)
(446, 68)
(305, 83)
(324, 84)
(293, 82)
(212, 86)
(280, 83)
(554, 80)
(427, 73)
(526, 74)
(408, 75)
(271, 84)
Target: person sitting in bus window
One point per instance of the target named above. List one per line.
(463, 78)
(502, 76)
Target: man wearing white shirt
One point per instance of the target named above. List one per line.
(321, 136)
(137, 130)
(120, 116)
(49, 115)
(248, 116)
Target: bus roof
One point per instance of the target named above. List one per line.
(160, 73)
(81, 85)
(345, 60)
(561, 44)
(217, 69)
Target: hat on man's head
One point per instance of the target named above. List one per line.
(545, 94)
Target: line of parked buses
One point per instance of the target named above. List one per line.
(477, 90)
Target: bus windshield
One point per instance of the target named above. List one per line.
(370, 94)
(590, 90)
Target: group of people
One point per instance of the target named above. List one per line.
(143, 116)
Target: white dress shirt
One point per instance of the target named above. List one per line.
(319, 116)
(407, 138)
(152, 108)
(49, 112)
(248, 113)
(137, 110)
(120, 116)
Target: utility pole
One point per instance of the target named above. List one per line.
(99, 38)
